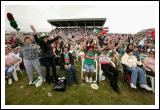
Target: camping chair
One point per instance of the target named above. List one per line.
(17, 67)
(95, 70)
(126, 74)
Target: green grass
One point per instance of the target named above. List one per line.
(21, 93)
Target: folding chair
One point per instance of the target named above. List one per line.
(126, 74)
(95, 70)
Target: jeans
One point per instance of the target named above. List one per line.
(135, 72)
(71, 76)
(9, 70)
(29, 64)
(89, 68)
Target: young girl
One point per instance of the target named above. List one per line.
(67, 62)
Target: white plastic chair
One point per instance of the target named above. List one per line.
(17, 67)
(95, 70)
(152, 78)
(152, 82)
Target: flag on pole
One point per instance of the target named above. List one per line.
(103, 32)
(142, 41)
(97, 31)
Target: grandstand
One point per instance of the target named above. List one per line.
(78, 23)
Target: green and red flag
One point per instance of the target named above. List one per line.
(97, 31)
(12, 21)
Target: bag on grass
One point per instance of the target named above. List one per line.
(61, 85)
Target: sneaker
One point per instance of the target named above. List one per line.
(30, 82)
(87, 79)
(146, 87)
(133, 86)
(9, 81)
(39, 83)
(90, 80)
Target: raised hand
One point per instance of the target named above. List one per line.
(33, 29)
(50, 34)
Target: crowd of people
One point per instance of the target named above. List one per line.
(64, 47)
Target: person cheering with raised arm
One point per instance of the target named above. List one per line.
(30, 58)
(47, 55)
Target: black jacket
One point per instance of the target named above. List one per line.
(46, 48)
(63, 61)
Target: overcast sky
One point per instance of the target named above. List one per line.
(120, 18)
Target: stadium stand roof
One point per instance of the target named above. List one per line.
(77, 22)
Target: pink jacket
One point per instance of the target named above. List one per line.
(10, 59)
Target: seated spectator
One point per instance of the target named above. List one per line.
(117, 62)
(89, 63)
(149, 63)
(142, 55)
(81, 53)
(136, 52)
(131, 62)
(10, 60)
(67, 62)
(121, 50)
(129, 46)
(109, 70)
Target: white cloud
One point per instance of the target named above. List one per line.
(120, 18)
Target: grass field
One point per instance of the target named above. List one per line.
(21, 93)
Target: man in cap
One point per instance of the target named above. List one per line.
(47, 55)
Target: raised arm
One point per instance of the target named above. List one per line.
(35, 35)
(50, 34)
(18, 40)
(54, 39)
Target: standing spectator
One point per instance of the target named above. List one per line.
(30, 58)
(47, 55)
